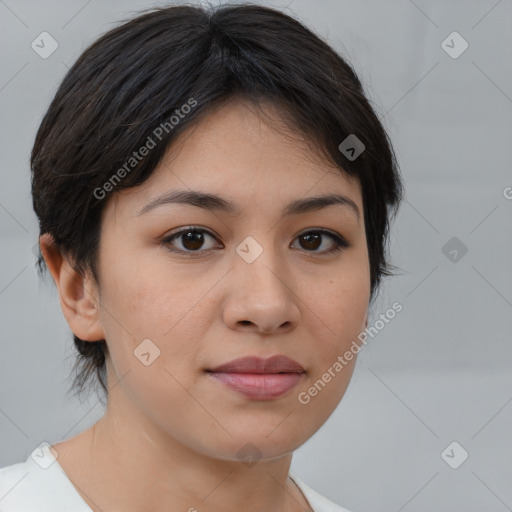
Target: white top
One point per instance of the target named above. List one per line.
(40, 485)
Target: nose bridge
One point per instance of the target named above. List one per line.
(260, 263)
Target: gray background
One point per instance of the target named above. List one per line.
(441, 370)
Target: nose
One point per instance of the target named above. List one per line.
(261, 296)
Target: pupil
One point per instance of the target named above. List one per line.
(193, 240)
(314, 238)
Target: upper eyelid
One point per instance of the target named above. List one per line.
(179, 231)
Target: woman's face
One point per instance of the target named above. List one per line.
(250, 281)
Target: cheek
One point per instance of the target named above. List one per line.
(341, 309)
(333, 360)
(342, 304)
(150, 304)
(144, 296)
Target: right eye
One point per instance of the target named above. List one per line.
(192, 239)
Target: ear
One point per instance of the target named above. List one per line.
(79, 295)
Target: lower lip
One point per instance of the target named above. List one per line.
(259, 386)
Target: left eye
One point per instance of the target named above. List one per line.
(313, 239)
(192, 239)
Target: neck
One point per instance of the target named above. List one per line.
(135, 465)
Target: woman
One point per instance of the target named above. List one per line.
(214, 193)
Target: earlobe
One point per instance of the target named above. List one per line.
(78, 294)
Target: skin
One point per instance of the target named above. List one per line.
(170, 434)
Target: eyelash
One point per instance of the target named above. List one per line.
(340, 243)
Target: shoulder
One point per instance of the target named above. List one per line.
(37, 485)
(318, 502)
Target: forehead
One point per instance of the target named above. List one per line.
(248, 159)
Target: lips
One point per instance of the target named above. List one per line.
(275, 364)
(259, 379)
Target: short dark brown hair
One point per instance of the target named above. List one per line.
(135, 77)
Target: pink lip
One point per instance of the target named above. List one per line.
(260, 379)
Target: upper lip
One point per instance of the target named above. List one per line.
(252, 364)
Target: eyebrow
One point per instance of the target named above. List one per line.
(214, 202)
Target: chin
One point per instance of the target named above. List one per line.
(251, 443)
